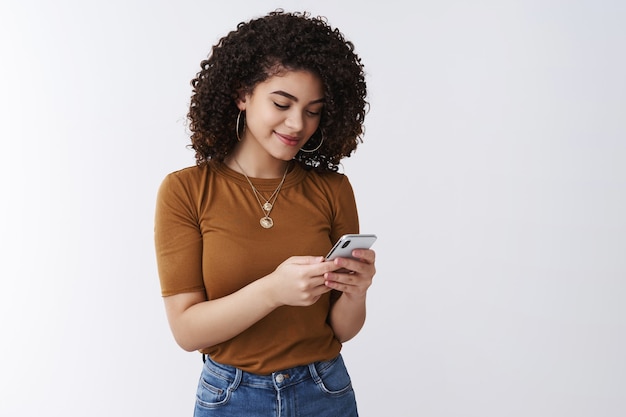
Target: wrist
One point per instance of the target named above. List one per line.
(355, 299)
(268, 292)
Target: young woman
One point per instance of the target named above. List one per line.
(241, 236)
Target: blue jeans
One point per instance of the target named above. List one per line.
(321, 389)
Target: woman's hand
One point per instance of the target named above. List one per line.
(353, 276)
(300, 280)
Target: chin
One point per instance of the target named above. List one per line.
(286, 155)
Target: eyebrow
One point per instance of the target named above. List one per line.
(294, 98)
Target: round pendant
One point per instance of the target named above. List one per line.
(266, 222)
(267, 206)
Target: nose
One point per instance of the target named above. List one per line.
(294, 121)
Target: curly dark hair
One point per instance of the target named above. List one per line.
(264, 47)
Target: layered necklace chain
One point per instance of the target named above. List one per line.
(266, 221)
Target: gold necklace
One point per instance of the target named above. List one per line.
(266, 221)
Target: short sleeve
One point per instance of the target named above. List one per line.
(346, 218)
(177, 237)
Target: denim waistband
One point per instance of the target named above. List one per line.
(275, 380)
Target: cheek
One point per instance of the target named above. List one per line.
(261, 120)
(312, 126)
(269, 119)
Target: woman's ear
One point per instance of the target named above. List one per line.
(240, 101)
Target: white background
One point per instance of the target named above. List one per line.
(493, 171)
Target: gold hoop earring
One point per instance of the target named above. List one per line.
(237, 126)
(317, 147)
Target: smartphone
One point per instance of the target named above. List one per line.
(347, 243)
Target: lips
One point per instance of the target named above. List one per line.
(288, 140)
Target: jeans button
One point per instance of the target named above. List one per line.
(280, 378)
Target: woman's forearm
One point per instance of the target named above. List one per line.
(198, 325)
(347, 317)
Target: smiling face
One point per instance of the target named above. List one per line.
(282, 113)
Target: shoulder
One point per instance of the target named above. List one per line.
(333, 187)
(186, 176)
(184, 182)
(332, 180)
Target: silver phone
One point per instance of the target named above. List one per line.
(347, 243)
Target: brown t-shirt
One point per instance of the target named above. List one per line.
(208, 237)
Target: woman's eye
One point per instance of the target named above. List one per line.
(281, 106)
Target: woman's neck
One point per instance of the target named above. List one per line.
(255, 166)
